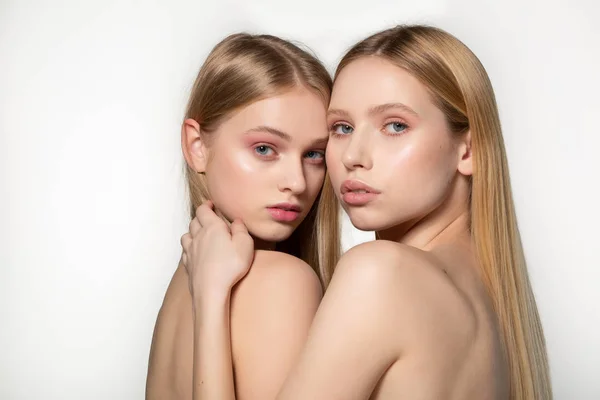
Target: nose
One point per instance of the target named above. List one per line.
(357, 153)
(293, 179)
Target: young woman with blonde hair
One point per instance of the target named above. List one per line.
(254, 140)
(439, 306)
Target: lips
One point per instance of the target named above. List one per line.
(357, 193)
(285, 212)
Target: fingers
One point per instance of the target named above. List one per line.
(184, 260)
(206, 216)
(194, 227)
(238, 228)
(207, 203)
(186, 240)
(240, 236)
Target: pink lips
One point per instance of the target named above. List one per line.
(284, 212)
(357, 193)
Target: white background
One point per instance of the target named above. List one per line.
(92, 195)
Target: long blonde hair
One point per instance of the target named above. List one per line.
(240, 70)
(459, 84)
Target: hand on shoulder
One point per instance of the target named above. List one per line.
(216, 256)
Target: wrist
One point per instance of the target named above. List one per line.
(212, 302)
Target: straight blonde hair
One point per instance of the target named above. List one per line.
(241, 70)
(459, 84)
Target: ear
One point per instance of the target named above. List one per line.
(465, 154)
(192, 145)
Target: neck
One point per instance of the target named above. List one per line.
(260, 244)
(449, 222)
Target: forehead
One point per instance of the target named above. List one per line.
(299, 113)
(371, 81)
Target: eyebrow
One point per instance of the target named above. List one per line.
(375, 110)
(285, 136)
(272, 131)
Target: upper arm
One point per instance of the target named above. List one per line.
(271, 312)
(171, 355)
(380, 303)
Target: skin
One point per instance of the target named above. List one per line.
(220, 321)
(406, 316)
(246, 158)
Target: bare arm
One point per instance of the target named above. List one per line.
(264, 321)
(272, 304)
(213, 369)
(271, 311)
(191, 352)
(171, 358)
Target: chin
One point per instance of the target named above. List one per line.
(364, 226)
(363, 221)
(272, 232)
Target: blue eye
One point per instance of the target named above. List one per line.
(315, 155)
(342, 129)
(395, 127)
(263, 150)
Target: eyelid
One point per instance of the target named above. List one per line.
(321, 152)
(337, 123)
(269, 146)
(260, 144)
(316, 161)
(395, 121)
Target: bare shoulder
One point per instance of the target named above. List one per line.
(386, 262)
(272, 309)
(411, 287)
(284, 265)
(278, 272)
(277, 283)
(387, 305)
(171, 363)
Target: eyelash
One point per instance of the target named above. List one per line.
(263, 155)
(333, 128)
(404, 125)
(269, 157)
(318, 161)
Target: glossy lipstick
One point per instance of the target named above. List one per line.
(357, 193)
(284, 212)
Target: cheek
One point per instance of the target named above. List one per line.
(315, 177)
(398, 158)
(406, 170)
(418, 174)
(399, 166)
(227, 167)
(333, 160)
(440, 159)
(231, 176)
(422, 159)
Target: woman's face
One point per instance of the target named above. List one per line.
(266, 163)
(391, 156)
